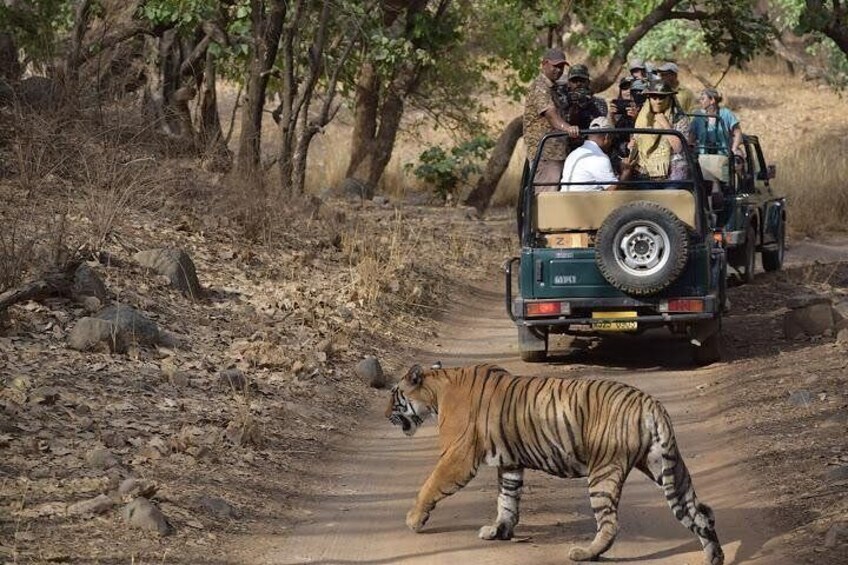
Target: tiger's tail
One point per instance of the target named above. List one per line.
(669, 471)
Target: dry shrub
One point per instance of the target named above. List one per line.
(376, 263)
(814, 177)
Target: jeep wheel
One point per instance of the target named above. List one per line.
(773, 259)
(708, 352)
(641, 248)
(532, 344)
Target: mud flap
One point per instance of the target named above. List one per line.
(701, 331)
(532, 344)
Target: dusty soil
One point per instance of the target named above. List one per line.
(759, 461)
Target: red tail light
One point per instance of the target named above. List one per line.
(544, 308)
(682, 305)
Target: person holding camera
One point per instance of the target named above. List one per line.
(576, 103)
(622, 113)
(541, 117)
(661, 156)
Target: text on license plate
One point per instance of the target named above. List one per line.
(617, 326)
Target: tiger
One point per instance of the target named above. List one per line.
(599, 429)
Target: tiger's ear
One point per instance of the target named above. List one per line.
(415, 375)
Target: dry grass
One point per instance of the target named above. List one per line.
(802, 126)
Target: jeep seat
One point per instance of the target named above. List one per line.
(587, 210)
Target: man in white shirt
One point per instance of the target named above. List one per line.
(590, 163)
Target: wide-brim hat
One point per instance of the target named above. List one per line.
(659, 87)
(637, 64)
(668, 67)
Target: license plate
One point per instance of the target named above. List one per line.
(603, 325)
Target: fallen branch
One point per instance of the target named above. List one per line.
(53, 284)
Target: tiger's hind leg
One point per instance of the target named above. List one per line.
(666, 468)
(604, 493)
(510, 483)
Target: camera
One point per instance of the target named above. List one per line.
(567, 98)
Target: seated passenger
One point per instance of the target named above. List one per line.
(590, 163)
(658, 156)
(716, 129)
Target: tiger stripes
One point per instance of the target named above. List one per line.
(596, 429)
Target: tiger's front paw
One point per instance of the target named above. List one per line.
(415, 519)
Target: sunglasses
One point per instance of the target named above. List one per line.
(657, 96)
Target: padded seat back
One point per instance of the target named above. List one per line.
(587, 210)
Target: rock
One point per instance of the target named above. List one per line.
(88, 284)
(46, 395)
(840, 310)
(100, 458)
(380, 200)
(836, 534)
(87, 333)
(144, 515)
(176, 265)
(839, 473)
(370, 371)
(97, 505)
(234, 380)
(812, 320)
(131, 326)
(132, 488)
(355, 188)
(91, 304)
(219, 507)
(801, 398)
(842, 336)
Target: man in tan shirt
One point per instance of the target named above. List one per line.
(685, 97)
(541, 117)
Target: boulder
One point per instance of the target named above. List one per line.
(174, 264)
(144, 515)
(117, 327)
(87, 283)
(809, 314)
(219, 507)
(370, 371)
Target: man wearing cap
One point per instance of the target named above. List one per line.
(685, 97)
(638, 69)
(541, 117)
(590, 163)
(582, 106)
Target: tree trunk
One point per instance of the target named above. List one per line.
(266, 38)
(210, 133)
(831, 22)
(10, 67)
(482, 194)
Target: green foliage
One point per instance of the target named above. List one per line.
(672, 39)
(182, 14)
(735, 30)
(446, 171)
(34, 26)
(797, 17)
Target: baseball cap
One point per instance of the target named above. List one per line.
(667, 67)
(636, 64)
(578, 71)
(625, 83)
(601, 122)
(555, 56)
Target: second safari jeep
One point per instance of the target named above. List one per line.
(646, 255)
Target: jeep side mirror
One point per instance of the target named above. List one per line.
(771, 171)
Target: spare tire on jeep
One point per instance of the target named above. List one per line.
(641, 248)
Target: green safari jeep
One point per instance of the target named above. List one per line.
(750, 211)
(649, 254)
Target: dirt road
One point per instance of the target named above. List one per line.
(357, 513)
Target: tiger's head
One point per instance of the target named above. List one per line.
(408, 407)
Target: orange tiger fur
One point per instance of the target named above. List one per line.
(568, 428)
